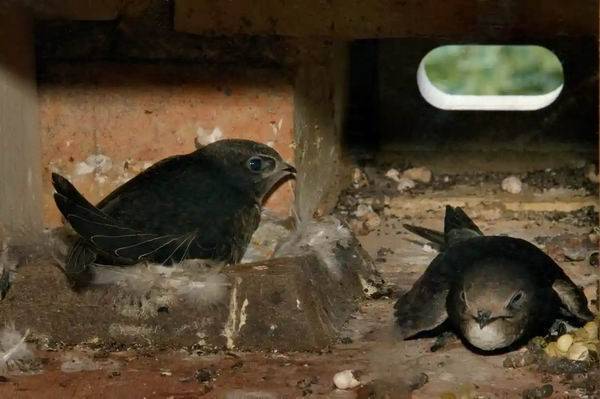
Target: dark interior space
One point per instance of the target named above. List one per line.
(387, 113)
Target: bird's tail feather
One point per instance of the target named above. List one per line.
(108, 236)
(433, 236)
(457, 227)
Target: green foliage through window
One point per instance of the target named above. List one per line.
(493, 70)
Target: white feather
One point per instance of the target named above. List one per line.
(320, 237)
(13, 348)
(160, 285)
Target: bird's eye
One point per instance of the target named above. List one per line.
(517, 299)
(463, 297)
(255, 164)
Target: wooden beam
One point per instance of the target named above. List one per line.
(20, 154)
(81, 10)
(349, 19)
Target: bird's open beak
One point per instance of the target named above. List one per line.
(483, 319)
(289, 168)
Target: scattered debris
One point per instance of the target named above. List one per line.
(204, 375)
(203, 138)
(74, 362)
(345, 380)
(321, 237)
(576, 345)
(359, 179)
(305, 385)
(522, 358)
(512, 184)
(269, 234)
(572, 353)
(153, 288)
(95, 163)
(545, 391)
(391, 388)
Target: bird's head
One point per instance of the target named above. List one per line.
(492, 304)
(252, 165)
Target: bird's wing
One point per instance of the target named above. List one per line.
(110, 237)
(572, 297)
(424, 307)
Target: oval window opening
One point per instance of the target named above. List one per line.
(490, 77)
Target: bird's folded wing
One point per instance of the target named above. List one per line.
(423, 308)
(572, 298)
(111, 237)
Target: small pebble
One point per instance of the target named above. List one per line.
(359, 179)
(358, 227)
(512, 184)
(578, 351)
(591, 328)
(393, 174)
(564, 342)
(372, 221)
(551, 350)
(405, 184)
(421, 174)
(345, 380)
(362, 210)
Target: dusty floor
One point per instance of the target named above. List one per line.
(367, 343)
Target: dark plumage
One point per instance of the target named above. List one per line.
(202, 205)
(496, 291)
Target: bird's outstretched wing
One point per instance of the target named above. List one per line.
(111, 238)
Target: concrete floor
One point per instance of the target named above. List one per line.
(368, 344)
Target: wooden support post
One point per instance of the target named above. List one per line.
(20, 150)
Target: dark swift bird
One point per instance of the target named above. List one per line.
(496, 291)
(202, 205)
